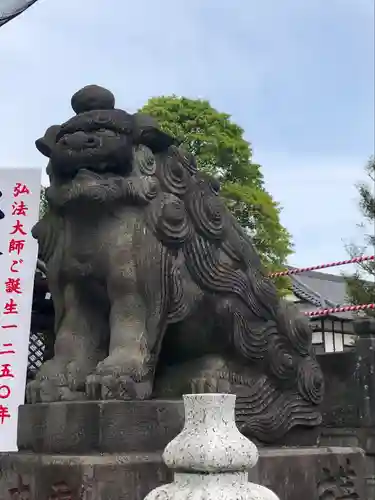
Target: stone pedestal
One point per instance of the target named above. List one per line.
(90, 450)
(210, 456)
(312, 473)
(349, 405)
(112, 451)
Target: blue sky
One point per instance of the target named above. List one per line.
(298, 76)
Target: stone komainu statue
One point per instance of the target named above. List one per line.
(157, 290)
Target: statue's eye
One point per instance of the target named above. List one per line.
(102, 120)
(106, 132)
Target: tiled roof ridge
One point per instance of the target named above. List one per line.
(303, 291)
(320, 275)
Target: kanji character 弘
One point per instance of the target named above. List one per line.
(20, 188)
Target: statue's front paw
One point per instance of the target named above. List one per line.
(47, 391)
(51, 384)
(77, 373)
(33, 392)
(209, 383)
(121, 376)
(117, 387)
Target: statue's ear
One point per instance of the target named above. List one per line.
(147, 132)
(45, 144)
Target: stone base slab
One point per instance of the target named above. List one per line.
(79, 428)
(293, 474)
(313, 473)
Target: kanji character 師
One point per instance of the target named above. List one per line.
(16, 246)
(19, 208)
(18, 228)
(19, 189)
(10, 307)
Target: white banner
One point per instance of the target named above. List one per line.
(19, 211)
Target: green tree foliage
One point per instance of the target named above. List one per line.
(222, 151)
(361, 284)
(43, 204)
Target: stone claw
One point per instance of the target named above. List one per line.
(77, 373)
(209, 383)
(47, 391)
(33, 392)
(120, 376)
(120, 387)
(93, 387)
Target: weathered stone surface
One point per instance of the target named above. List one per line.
(99, 426)
(363, 438)
(112, 451)
(210, 457)
(312, 473)
(349, 404)
(74, 477)
(293, 474)
(350, 382)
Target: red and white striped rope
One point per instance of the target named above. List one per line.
(300, 270)
(325, 312)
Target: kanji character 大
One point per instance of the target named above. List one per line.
(18, 228)
(10, 307)
(13, 285)
(8, 349)
(16, 246)
(19, 208)
(4, 413)
(6, 371)
(14, 264)
(4, 391)
(20, 188)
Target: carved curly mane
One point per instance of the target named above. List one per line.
(200, 234)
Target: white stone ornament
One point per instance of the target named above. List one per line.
(210, 455)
